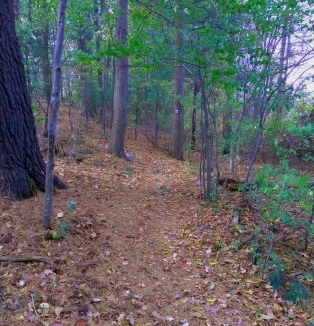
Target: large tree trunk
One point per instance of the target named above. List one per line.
(22, 168)
(104, 108)
(178, 116)
(85, 83)
(206, 147)
(116, 145)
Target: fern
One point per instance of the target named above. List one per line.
(276, 279)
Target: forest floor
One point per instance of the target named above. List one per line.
(142, 249)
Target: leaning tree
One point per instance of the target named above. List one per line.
(22, 168)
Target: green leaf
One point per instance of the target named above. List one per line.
(276, 279)
(287, 218)
(294, 224)
(72, 204)
(296, 292)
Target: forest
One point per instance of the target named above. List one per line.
(156, 162)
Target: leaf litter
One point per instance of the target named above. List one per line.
(141, 249)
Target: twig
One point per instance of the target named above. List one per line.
(33, 304)
(25, 259)
(153, 142)
(246, 241)
(268, 254)
(267, 228)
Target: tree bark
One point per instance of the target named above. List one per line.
(85, 83)
(178, 115)
(282, 67)
(22, 168)
(55, 103)
(116, 145)
(104, 108)
(45, 68)
(17, 9)
(226, 130)
(206, 146)
(193, 119)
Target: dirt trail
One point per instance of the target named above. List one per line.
(142, 250)
(148, 215)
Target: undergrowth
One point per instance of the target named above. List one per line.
(285, 232)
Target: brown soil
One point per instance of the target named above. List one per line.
(143, 249)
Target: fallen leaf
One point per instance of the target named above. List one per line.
(110, 270)
(138, 296)
(112, 298)
(211, 287)
(208, 252)
(242, 270)
(268, 317)
(6, 239)
(230, 261)
(212, 300)
(58, 311)
(214, 309)
(44, 305)
(156, 315)
(277, 310)
(48, 272)
(21, 283)
(131, 319)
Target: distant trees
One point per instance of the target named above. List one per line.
(216, 71)
(22, 168)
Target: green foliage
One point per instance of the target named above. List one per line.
(162, 190)
(37, 296)
(64, 227)
(297, 291)
(283, 185)
(305, 147)
(278, 190)
(72, 205)
(60, 232)
(294, 291)
(276, 279)
(128, 171)
(190, 169)
(92, 150)
(37, 114)
(292, 136)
